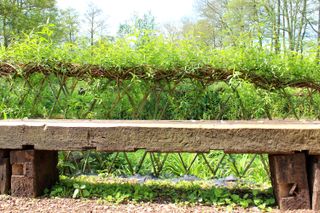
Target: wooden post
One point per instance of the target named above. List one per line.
(314, 180)
(5, 172)
(290, 181)
(32, 172)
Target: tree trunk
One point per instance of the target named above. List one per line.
(318, 34)
(5, 33)
(284, 34)
(277, 33)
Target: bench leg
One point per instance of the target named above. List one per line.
(314, 180)
(5, 172)
(290, 181)
(32, 172)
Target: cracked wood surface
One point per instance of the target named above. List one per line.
(279, 136)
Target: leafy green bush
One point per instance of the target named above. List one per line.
(196, 192)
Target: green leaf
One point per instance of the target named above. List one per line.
(244, 203)
(235, 198)
(76, 193)
(86, 193)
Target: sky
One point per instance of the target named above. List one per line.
(118, 11)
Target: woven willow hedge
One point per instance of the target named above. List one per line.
(153, 77)
(205, 74)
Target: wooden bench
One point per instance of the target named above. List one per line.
(28, 149)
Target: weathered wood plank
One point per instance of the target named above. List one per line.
(314, 180)
(165, 136)
(5, 172)
(290, 181)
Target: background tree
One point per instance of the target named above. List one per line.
(279, 24)
(143, 24)
(95, 22)
(22, 16)
(69, 24)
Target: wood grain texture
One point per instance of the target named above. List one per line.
(5, 171)
(165, 136)
(32, 172)
(314, 180)
(290, 181)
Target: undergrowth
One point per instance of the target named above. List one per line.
(118, 191)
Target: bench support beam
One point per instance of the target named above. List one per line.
(290, 181)
(32, 172)
(314, 180)
(5, 171)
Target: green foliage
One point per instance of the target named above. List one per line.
(197, 192)
(159, 53)
(156, 79)
(144, 25)
(23, 16)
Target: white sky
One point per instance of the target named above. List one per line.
(118, 11)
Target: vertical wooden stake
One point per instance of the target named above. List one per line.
(5, 172)
(314, 178)
(290, 181)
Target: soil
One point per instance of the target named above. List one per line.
(10, 204)
(14, 204)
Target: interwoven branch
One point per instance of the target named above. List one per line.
(205, 74)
